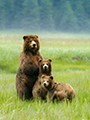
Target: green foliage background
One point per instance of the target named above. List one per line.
(46, 15)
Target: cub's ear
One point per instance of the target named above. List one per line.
(25, 36)
(51, 77)
(50, 60)
(36, 36)
(40, 60)
(43, 76)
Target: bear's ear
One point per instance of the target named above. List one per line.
(43, 76)
(36, 36)
(25, 36)
(50, 60)
(51, 77)
(40, 60)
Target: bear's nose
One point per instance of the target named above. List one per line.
(44, 83)
(34, 44)
(45, 66)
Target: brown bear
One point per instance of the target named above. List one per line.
(45, 69)
(57, 91)
(29, 66)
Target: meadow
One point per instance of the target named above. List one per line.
(70, 56)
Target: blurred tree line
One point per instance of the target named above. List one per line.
(45, 15)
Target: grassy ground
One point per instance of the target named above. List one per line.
(70, 63)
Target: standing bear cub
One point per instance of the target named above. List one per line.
(45, 69)
(58, 91)
(29, 66)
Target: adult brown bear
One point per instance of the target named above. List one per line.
(29, 66)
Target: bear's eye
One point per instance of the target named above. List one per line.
(47, 81)
(47, 63)
(35, 40)
(30, 41)
(43, 64)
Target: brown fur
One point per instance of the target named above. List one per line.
(45, 69)
(29, 66)
(58, 91)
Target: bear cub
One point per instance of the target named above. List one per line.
(57, 91)
(45, 69)
(29, 66)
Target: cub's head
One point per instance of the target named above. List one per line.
(31, 43)
(46, 82)
(45, 66)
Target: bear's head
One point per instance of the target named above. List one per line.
(45, 66)
(47, 82)
(31, 43)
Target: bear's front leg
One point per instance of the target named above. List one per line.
(30, 70)
(51, 98)
(36, 71)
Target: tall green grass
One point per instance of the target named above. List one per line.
(75, 51)
(70, 64)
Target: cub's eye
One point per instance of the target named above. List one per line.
(30, 41)
(47, 81)
(43, 64)
(47, 63)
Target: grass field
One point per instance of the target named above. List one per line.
(70, 63)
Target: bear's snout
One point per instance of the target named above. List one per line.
(44, 83)
(45, 67)
(34, 45)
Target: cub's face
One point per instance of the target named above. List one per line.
(31, 43)
(46, 66)
(46, 81)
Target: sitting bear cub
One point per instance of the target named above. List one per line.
(45, 69)
(58, 91)
(29, 66)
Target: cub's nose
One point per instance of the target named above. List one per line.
(44, 83)
(45, 66)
